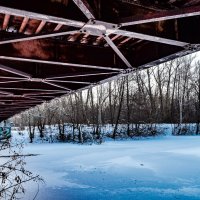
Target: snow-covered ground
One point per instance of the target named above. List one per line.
(160, 168)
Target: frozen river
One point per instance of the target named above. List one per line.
(162, 168)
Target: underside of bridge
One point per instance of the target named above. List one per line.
(49, 48)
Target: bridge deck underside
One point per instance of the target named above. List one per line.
(54, 47)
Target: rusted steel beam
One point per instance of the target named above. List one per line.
(161, 16)
(11, 77)
(53, 67)
(108, 31)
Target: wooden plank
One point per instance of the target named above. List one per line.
(6, 21)
(58, 27)
(40, 27)
(23, 25)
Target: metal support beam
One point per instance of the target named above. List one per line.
(59, 63)
(14, 71)
(17, 81)
(72, 82)
(108, 29)
(5, 93)
(117, 51)
(43, 93)
(57, 86)
(30, 89)
(148, 37)
(81, 75)
(11, 78)
(33, 98)
(160, 16)
(48, 18)
(10, 110)
(36, 37)
(85, 8)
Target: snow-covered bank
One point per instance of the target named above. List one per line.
(163, 168)
(51, 133)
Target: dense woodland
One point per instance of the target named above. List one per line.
(169, 93)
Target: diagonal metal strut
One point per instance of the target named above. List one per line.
(58, 63)
(36, 37)
(161, 16)
(148, 38)
(38, 16)
(117, 51)
(85, 8)
(14, 71)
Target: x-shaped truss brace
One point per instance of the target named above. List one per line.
(92, 27)
(95, 27)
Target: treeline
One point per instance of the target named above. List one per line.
(169, 93)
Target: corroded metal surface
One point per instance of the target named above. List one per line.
(54, 47)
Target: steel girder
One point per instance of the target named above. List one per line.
(58, 47)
